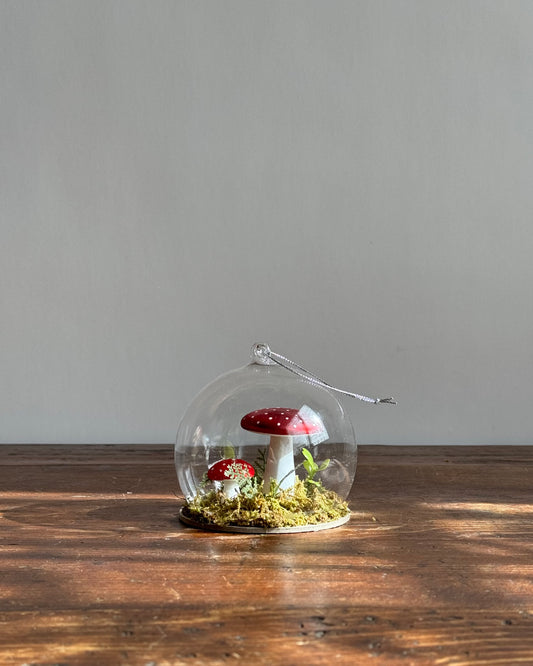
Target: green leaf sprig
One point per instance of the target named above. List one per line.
(312, 468)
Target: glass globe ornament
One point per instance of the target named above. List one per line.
(265, 448)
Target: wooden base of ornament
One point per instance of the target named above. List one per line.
(244, 529)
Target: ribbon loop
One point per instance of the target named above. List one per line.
(263, 354)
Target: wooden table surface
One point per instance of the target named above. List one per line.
(434, 567)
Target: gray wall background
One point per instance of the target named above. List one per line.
(349, 181)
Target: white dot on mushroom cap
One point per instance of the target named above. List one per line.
(270, 418)
(279, 424)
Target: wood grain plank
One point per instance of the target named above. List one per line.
(434, 567)
(252, 635)
(64, 454)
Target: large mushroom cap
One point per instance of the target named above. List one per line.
(282, 421)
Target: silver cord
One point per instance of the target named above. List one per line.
(262, 350)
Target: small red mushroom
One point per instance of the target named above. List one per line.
(282, 424)
(231, 472)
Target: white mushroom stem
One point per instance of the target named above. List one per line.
(230, 488)
(280, 462)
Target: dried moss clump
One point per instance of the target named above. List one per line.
(303, 504)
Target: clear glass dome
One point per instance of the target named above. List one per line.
(247, 415)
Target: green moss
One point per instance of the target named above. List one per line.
(303, 504)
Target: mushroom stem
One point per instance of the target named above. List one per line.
(280, 462)
(230, 488)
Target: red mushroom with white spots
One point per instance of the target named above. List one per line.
(231, 472)
(283, 425)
